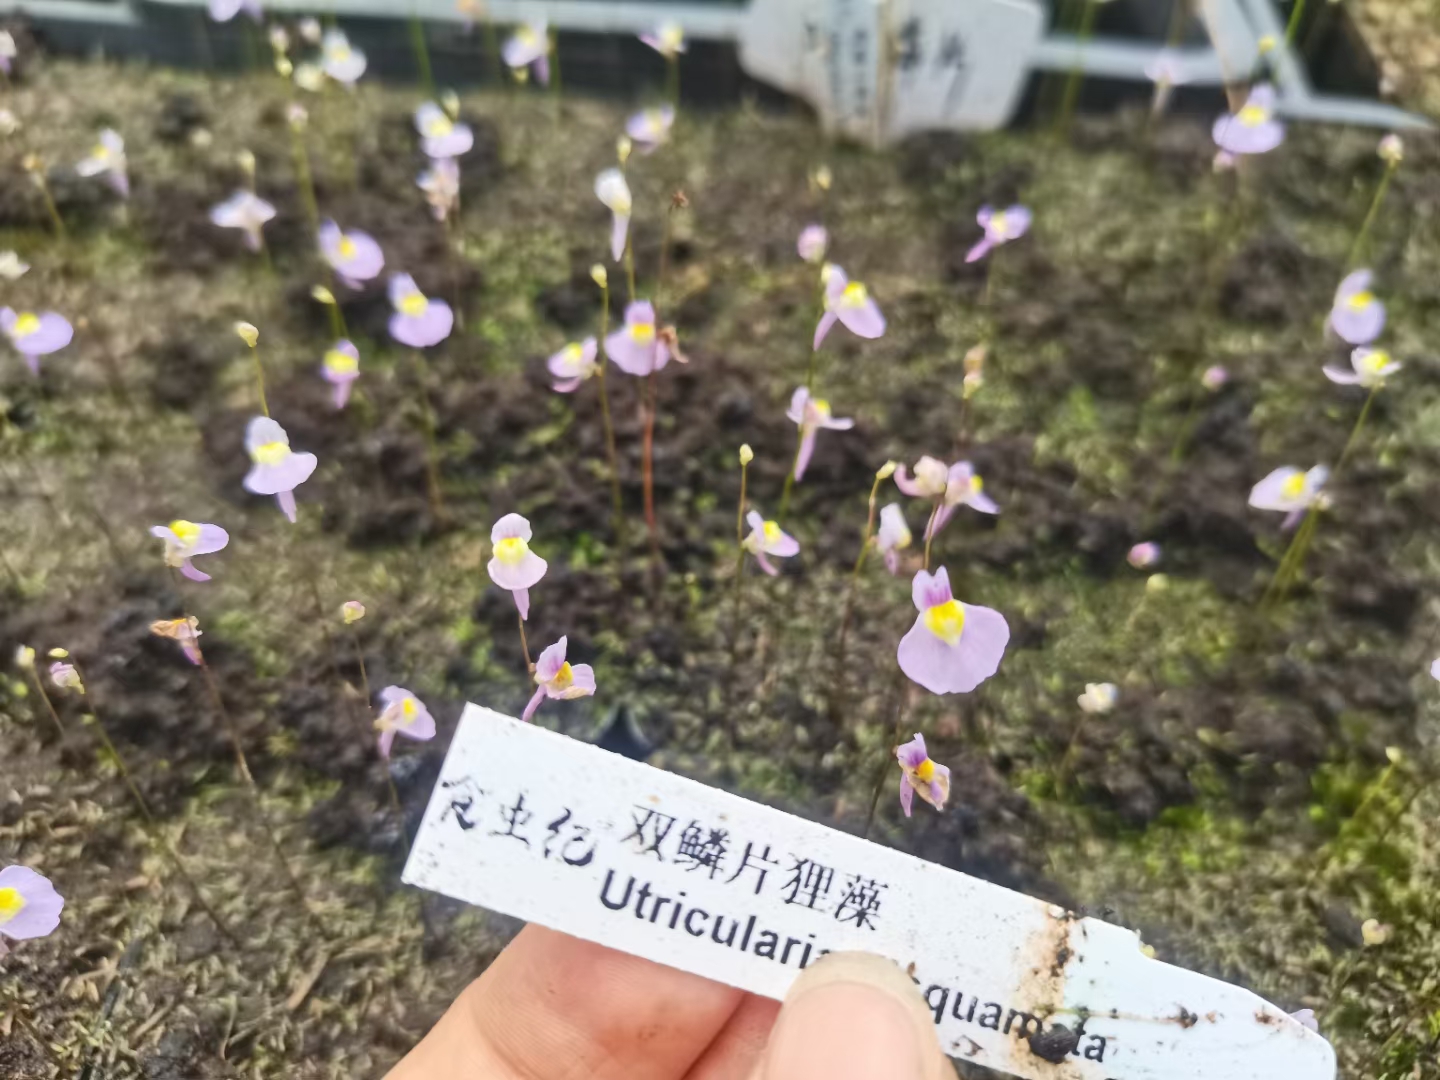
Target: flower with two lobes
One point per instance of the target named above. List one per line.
(558, 680)
(649, 128)
(440, 136)
(275, 469)
(612, 190)
(340, 368)
(1143, 556)
(1253, 129)
(418, 321)
(353, 255)
(1356, 315)
(1289, 490)
(35, 335)
(1001, 226)
(767, 538)
(893, 536)
(528, 49)
(814, 241)
(184, 631)
(638, 347)
(668, 39)
(225, 10)
(953, 487)
(441, 185)
(66, 677)
(339, 59)
(918, 774)
(29, 905)
(1371, 368)
(811, 414)
(402, 713)
(953, 647)
(186, 539)
(573, 364)
(514, 566)
(107, 159)
(246, 211)
(352, 611)
(1098, 697)
(849, 303)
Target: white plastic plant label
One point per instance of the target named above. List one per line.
(558, 832)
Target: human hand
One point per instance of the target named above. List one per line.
(553, 1007)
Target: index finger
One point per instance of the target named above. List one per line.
(553, 1007)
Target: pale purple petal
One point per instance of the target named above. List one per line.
(783, 547)
(511, 527)
(1269, 493)
(1236, 137)
(907, 485)
(284, 476)
(387, 740)
(582, 684)
(958, 668)
(52, 332)
(802, 457)
(766, 564)
(983, 503)
(189, 570)
(755, 521)
(519, 576)
(286, 499)
(907, 795)
(619, 228)
(939, 520)
(892, 560)
(796, 412)
(522, 602)
(533, 704)
(912, 754)
(1339, 375)
(41, 913)
(822, 328)
(550, 661)
(1017, 222)
(566, 386)
(929, 590)
(980, 250)
(1358, 326)
(863, 320)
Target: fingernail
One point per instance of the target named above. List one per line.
(853, 1016)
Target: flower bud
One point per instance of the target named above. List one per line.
(821, 177)
(283, 67)
(25, 657)
(246, 160)
(623, 146)
(887, 470)
(248, 334)
(1214, 378)
(296, 116)
(1394, 755)
(352, 611)
(1267, 44)
(746, 454)
(31, 163)
(975, 358)
(279, 39)
(65, 677)
(1373, 932)
(323, 295)
(450, 102)
(972, 384)
(310, 30)
(599, 276)
(58, 653)
(1391, 150)
(1157, 583)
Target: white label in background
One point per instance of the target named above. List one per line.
(558, 832)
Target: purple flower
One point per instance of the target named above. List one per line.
(8, 51)
(813, 243)
(1214, 377)
(225, 10)
(66, 677)
(1371, 368)
(953, 647)
(767, 538)
(1254, 129)
(573, 364)
(963, 487)
(1289, 490)
(339, 59)
(340, 368)
(354, 256)
(893, 536)
(1355, 314)
(931, 479)
(29, 905)
(276, 469)
(919, 774)
(441, 137)
(848, 302)
(612, 190)
(1143, 556)
(650, 127)
(107, 158)
(1001, 226)
(243, 210)
(557, 680)
(1098, 698)
(184, 631)
(811, 414)
(668, 39)
(186, 539)
(637, 347)
(418, 321)
(529, 46)
(441, 185)
(35, 335)
(514, 566)
(402, 713)
(1166, 71)
(1306, 1018)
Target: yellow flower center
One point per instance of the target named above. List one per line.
(1375, 361)
(946, 621)
(512, 550)
(413, 304)
(526, 36)
(643, 333)
(439, 125)
(822, 408)
(187, 532)
(27, 323)
(11, 904)
(271, 453)
(997, 221)
(1252, 116)
(672, 37)
(854, 295)
(347, 248)
(339, 53)
(563, 678)
(976, 485)
(100, 152)
(1294, 487)
(771, 531)
(1361, 300)
(341, 363)
(407, 711)
(925, 771)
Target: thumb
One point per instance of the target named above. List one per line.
(854, 1016)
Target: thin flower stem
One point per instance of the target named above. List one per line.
(1072, 82)
(889, 752)
(1062, 770)
(672, 80)
(307, 182)
(427, 423)
(790, 476)
(360, 660)
(630, 263)
(739, 573)
(492, 51)
(1297, 13)
(49, 705)
(1357, 249)
(616, 512)
(930, 532)
(524, 645)
(648, 467)
(1328, 852)
(50, 206)
(384, 762)
(259, 378)
(337, 322)
(421, 50)
(665, 237)
(1355, 431)
(855, 574)
(555, 68)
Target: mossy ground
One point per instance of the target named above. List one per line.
(1209, 810)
